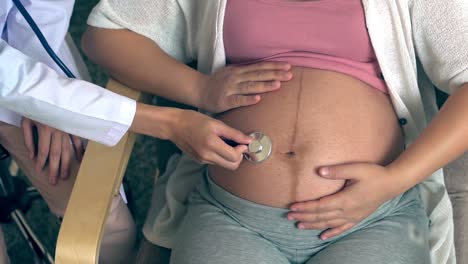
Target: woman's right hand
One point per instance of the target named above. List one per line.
(202, 137)
(237, 86)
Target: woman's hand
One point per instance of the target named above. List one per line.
(237, 86)
(202, 137)
(53, 146)
(367, 187)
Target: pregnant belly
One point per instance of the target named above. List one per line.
(318, 118)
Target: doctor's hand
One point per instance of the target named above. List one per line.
(53, 147)
(367, 187)
(237, 86)
(201, 137)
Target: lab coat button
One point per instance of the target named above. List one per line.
(403, 121)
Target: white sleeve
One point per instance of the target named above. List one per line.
(36, 91)
(440, 30)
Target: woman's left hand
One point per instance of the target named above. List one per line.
(367, 187)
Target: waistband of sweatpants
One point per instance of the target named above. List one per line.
(271, 222)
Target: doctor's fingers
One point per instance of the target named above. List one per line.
(234, 164)
(216, 159)
(226, 132)
(28, 135)
(55, 155)
(216, 148)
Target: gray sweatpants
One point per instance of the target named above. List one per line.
(221, 228)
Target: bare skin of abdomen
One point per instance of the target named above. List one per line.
(318, 118)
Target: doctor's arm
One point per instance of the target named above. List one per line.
(52, 146)
(80, 108)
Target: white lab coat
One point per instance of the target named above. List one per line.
(31, 85)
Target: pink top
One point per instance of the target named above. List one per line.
(326, 34)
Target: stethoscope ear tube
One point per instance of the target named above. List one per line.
(42, 39)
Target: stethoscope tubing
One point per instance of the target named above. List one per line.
(42, 39)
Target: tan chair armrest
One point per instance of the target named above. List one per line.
(98, 180)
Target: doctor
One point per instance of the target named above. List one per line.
(33, 88)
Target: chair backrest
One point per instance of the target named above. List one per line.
(83, 224)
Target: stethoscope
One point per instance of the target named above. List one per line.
(42, 39)
(259, 149)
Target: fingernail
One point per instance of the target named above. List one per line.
(300, 226)
(294, 208)
(324, 237)
(290, 217)
(324, 171)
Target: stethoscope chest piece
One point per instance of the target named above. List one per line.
(259, 148)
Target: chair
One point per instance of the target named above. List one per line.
(83, 224)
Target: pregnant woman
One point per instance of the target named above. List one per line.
(304, 73)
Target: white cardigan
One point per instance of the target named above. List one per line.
(418, 43)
